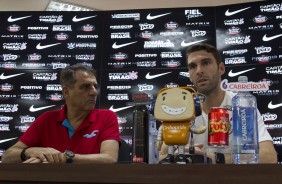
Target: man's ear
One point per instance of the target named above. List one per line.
(65, 92)
(221, 68)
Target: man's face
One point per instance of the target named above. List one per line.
(204, 71)
(83, 95)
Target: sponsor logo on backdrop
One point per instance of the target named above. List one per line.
(272, 92)
(6, 87)
(4, 127)
(233, 30)
(78, 19)
(30, 96)
(118, 96)
(135, 16)
(152, 17)
(7, 97)
(146, 64)
(35, 109)
(186, 44)
(184, 74)
(14, 28)
(55, 97)
(22, 128)
(230, 13)
(171, 85)
(268, 117)
(273, 126)
(4, 77)
(57, 65)
(174, 33)
(277, 140)
(61, 36)
(9, 107)
(261, 28)
(6, 140)
(87, 36)
(146, 55)
(269, 38)
(260, 19)
(14, 46)
(146, 34)
(145, 87)
(121, 26)
(27, 119)
(40, 47)
(14, 19)
(38, 28)
(171, 25)
(31, 87)
(176, 54)
(37, 36)
(274, 106)
(8, 65)
(85, 57)
(235, 52)
(119, 56)
(117, 46)
(59, 56)
(197, 24)
(171, 63)
(270, 8)
(234, 74)
(119, 88)
(197, 33)
(193, 13)
(146, 26)
(5, 118)
(34, 57)
(13, 36)
(120, 108)
(62, 28)
(238, 40)
(269, 82)
(51, 18)
(45, 76)
(120, 35)
(123, 76)
(262, 49)
(33, 65)
(264, 58)
(273, 70)
(53, 87)
(81, 45)
(234, 22)
(158, 44)
(9, 57)
(153, 76)
(235, 60)
(122, 120)
(87, 28)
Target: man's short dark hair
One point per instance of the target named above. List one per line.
(206, 47)
(67, 76)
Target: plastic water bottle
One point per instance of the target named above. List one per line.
(245, 127)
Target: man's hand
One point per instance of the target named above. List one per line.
(44, 155)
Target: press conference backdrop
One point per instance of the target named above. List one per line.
(133, 51)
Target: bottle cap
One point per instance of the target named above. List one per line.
(242, 79)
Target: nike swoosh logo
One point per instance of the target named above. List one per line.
(231, 74)
(115, 46)
(39, 46)
(74, 19)
(6, 140)
(150, 17)
(183, 44)
(10, 19)
(34, 109)
(266, 39)
(119, 109)
(271, 106)
(2, 77)
(228, 13)
(148, 76)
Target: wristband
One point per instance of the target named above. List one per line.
(23, 156)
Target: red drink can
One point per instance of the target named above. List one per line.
(218, 127)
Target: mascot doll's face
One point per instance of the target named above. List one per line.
(174, 104)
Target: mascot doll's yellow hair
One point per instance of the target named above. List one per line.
(176, 109)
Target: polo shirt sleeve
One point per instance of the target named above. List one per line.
(110, 130)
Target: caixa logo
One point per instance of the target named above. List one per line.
(269, 117)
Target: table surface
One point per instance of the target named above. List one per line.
(140, 173)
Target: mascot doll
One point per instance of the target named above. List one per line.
(177, 109)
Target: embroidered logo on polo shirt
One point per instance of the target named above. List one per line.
(91, 135)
